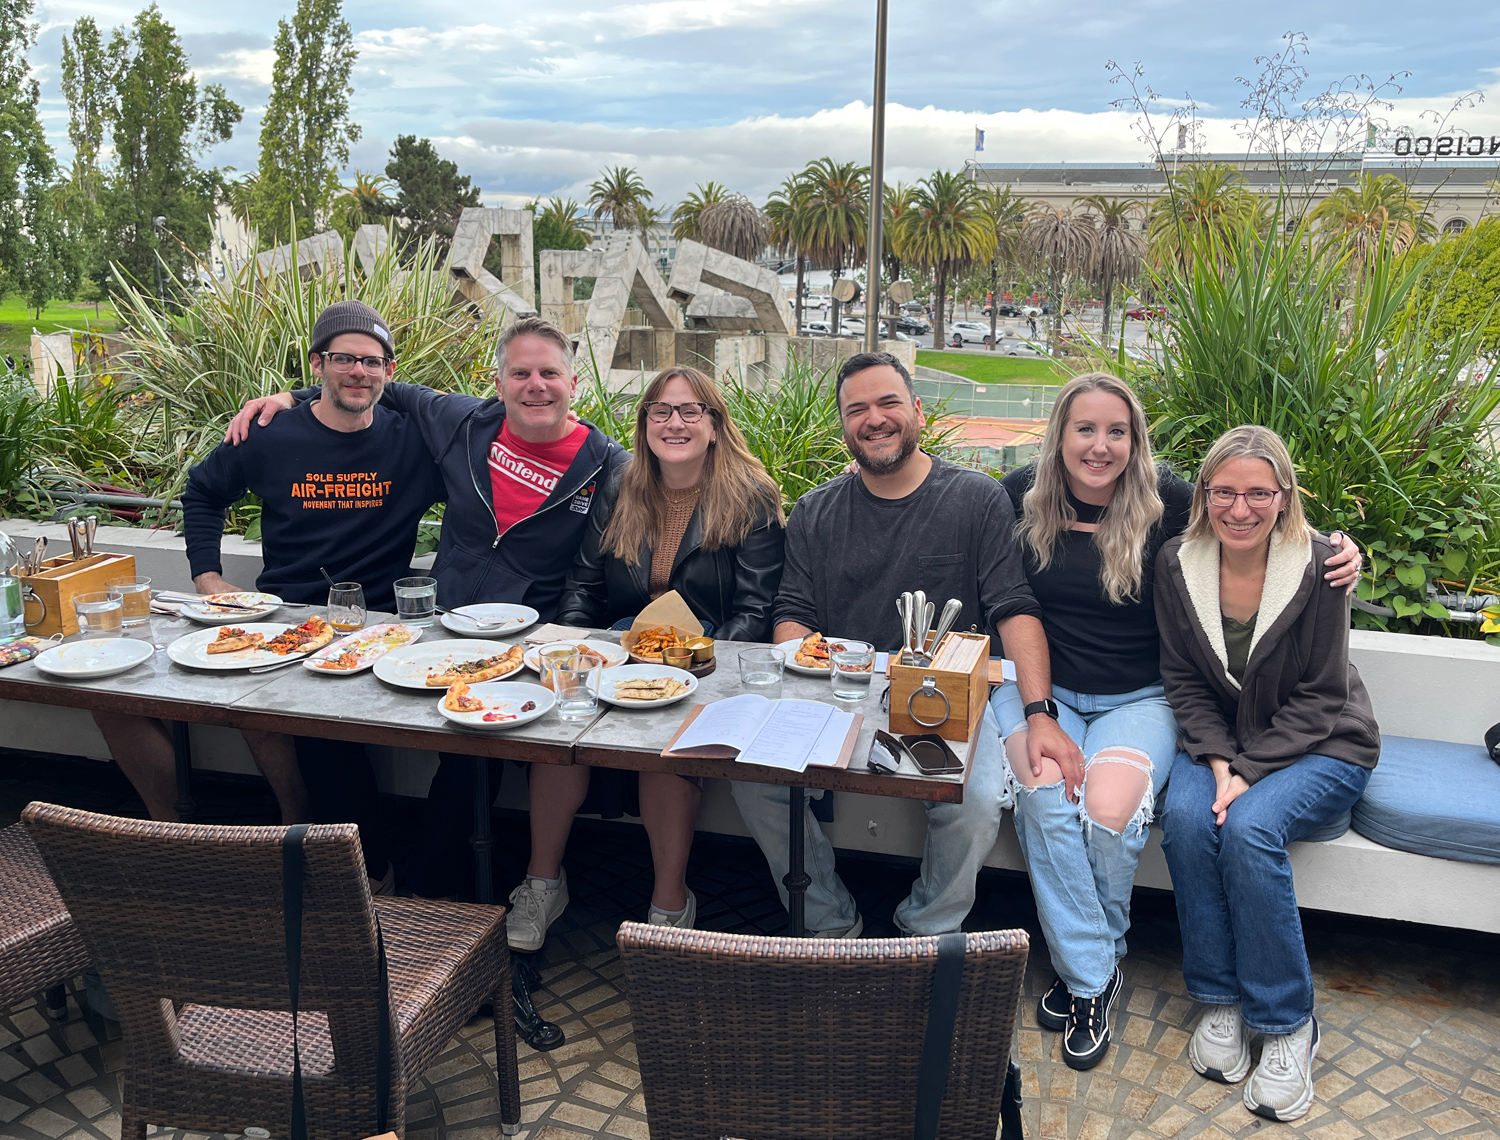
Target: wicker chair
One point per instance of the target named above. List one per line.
(39, 948)
(792, 1038)
(185, 924)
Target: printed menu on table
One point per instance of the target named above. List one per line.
(750, 729)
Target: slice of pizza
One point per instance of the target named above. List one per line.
(484, 669)
(458, 699)
(308, 637)
(232, 639)
(813, 652)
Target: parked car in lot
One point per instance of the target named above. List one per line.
(1144, 313)
(852, 326)
(816, 328)
(1021, 346)
(1006, 310)
(916, 326)
(961, 333)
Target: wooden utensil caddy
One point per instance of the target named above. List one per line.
(966, 695)
(49, 593)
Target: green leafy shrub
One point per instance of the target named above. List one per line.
(1392, 443)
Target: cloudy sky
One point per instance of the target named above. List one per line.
(535, 99)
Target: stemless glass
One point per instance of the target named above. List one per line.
(99, 614)
(416, 600)
(761, 671)
(851, 669)
(346, 606)
(135, 599)
(576, 683)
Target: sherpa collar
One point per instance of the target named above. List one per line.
(1286, 563)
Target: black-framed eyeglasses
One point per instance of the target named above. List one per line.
(659, 413)
(1258, 499)
(345, 361)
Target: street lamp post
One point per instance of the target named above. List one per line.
(877, 185)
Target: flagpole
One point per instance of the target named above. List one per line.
(877, 186)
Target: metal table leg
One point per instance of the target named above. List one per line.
(182, 753)
(536, 1032)
(797, 878)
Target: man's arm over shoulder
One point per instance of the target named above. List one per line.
(213, 486)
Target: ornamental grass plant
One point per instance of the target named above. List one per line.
(1392, 440)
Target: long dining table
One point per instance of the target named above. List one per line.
(362, 708)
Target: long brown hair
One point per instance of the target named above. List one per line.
(735, 494)
(1250, 441)
(1133, 509)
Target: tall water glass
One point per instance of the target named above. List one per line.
(99, 615)
(12, 609)
(135, 600)
(576, 683)
(761, 671)
(850, 669)
(346, 606)
(416, 600)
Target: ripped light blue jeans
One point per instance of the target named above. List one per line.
(1082, 872)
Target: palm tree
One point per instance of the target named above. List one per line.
(240, 195)
(620, 195)
(1117, 248)
(1361, 219)
(896, 201)
(563, 219)
(647, 219)
(1007, 214)
(1063, 242)
(364, 203)
(690, 209)
(1206, 200)
(736, 226)
(946, 230)
(835, 213)
(786, 215)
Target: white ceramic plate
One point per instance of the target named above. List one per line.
(209, 614)
(408, 667)
(191, 649)
(515, 617)
(791, 645)
(610, 677)
(95, 657)
(613, 655)
(367, 644)
(502, 698)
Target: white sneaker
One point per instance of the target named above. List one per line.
(843, 932)
(533, 908)
(1220, 1048)
(683, 921)
(1281, 1088)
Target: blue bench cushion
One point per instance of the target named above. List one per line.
(1433, 798)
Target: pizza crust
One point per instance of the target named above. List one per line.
(491, 667)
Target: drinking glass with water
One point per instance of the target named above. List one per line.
(99, 614)
(12, 608)
(761, 671)
(576, 683)
(416, 600)
(135, 599)
(850, 668)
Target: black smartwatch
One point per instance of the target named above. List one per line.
(1045, 706)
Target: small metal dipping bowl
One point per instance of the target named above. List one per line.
(703, 649)
(677, 656)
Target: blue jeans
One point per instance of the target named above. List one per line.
(959, 838)
(1236, 904)
(1082, 872)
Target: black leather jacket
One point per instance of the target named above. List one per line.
(732, 587)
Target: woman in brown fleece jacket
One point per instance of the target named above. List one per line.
(1278, 741)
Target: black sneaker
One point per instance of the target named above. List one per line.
(1088, 1036)
(1053, 1007)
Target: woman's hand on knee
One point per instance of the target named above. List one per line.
(1230, 786)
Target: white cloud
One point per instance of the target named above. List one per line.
(249, 65)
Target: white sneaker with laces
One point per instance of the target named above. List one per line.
(1220, 1048)
(1281, 1088)
(533, 908)
(683, 921)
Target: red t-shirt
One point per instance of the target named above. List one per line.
(523, 474)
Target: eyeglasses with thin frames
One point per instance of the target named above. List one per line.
(690, 413)
(1258, 500)
(345, 361)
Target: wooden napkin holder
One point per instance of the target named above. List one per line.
(49, 593)
(913, 711)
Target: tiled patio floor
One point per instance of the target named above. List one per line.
(1411, 1016)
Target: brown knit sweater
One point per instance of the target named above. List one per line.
(680, 508)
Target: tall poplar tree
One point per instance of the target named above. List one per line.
(31, 256)
(162, 125)
(306, 133)
(89, 83)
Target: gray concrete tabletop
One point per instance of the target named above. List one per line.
(634, 738)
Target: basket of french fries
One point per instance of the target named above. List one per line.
(666, 623)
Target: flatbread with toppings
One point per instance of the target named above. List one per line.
(649, 688)
(311, 635)
(458, 699)
(484, 669)
(232, 639)
(814, 651)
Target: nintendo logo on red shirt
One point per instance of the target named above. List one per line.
(537, 476)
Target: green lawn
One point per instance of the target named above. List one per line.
(17, 321)
(994, 369)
